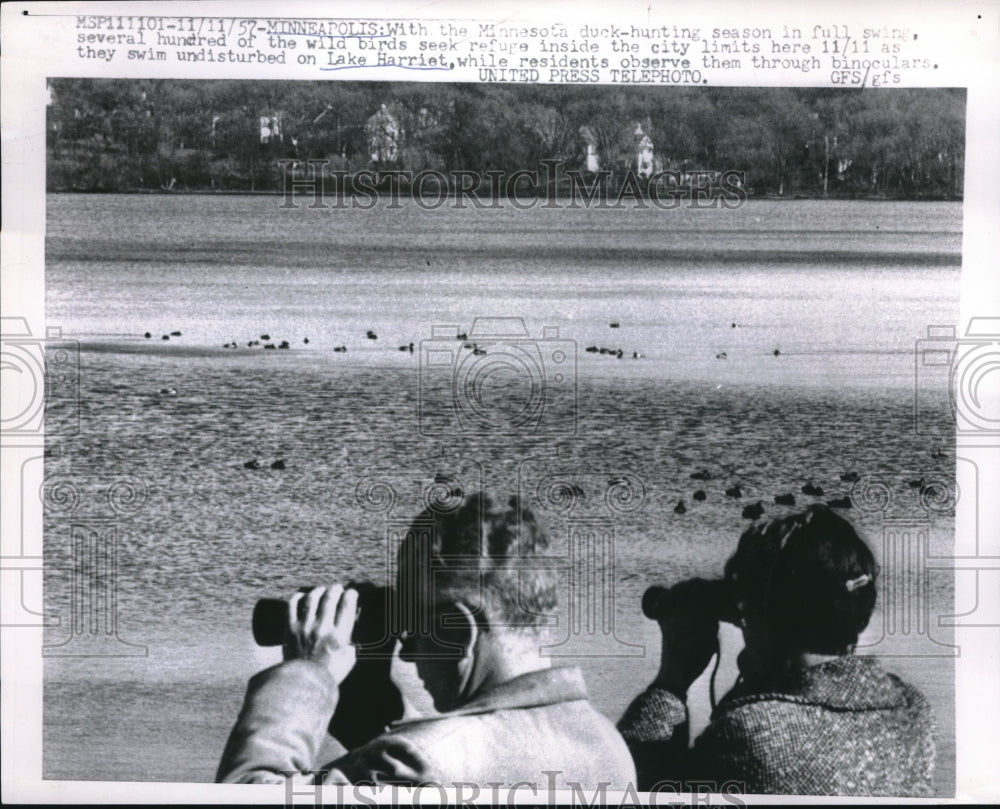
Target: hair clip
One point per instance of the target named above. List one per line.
(786, 536)
(860, 581)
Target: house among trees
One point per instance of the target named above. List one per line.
(270, 129)
(591, 160)
(137, 134)
(628, 148)
(644, 164)
(383, 133)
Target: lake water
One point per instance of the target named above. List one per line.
(840, 289)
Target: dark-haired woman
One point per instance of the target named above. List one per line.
(806, 716)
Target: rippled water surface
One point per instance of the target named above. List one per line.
(841, 290)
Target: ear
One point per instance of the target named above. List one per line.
(460, 628)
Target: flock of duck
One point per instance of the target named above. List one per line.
(254, 463)
(752, 511)
(265, 341)
(755, 511)
(284, 344)
(612, 352)
(477, 350)
(636, 355)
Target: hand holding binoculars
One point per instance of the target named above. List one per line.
(270, 617)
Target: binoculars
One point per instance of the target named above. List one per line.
(708, 596)
(270, 616)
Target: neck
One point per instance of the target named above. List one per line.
(776, 669)
(502, 656)
(807, 659)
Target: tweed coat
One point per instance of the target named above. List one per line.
(538, 729)
(845, 727)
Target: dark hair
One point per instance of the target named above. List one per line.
(486, 553)
(809, 576)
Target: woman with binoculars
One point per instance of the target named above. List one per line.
(806, 715)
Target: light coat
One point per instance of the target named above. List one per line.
(538, 728)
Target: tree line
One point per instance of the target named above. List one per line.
(134, 135)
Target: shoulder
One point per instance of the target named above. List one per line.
(912, 696)
(753, 713)
(831, 740)
(505, 745)
(918, 718)
(573, 723)
(434, 748)
(755, 727)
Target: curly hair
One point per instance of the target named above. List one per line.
(809, 576)
(487, 553)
